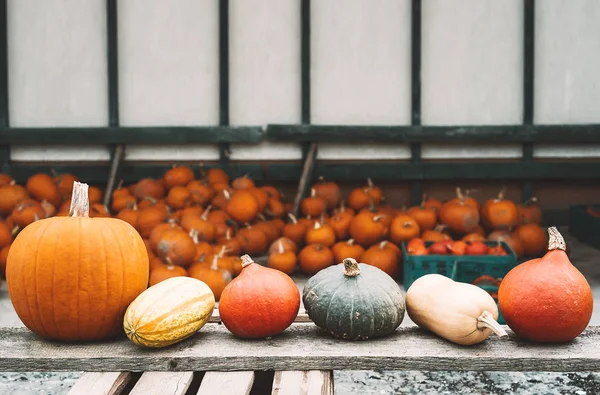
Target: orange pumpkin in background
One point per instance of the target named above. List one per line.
(328, 191)
(403, 228)
(178, 176)
(383, 258)
(313, 205)
(460, 215)
(368, 228)
(315, 257)
(347, 249)
(530, 212)
(100, 265)
(41, 187)
(499, 213)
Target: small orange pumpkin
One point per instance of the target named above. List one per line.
(347, 249)
(27, 211)
(460, 216)
(362, 197)
(232, 244)
(340, 223)
(404, 228)
(295, 231)
(242, 206)
(6, 237)
(534, 238)
(425, 217)
(214, 276)
(178, 176)
(282, 260)
(129, 215)
(313, 205)
(328, 191)
(161, 272)
(148, 187)
(254, 240)
(217, 176)
(320, 234)
(179, 197)
(368, 228)
(149, 218)
(205, 230)
(499, 213)
(243, 182)
(41, 187)
(314, 258)
(382, 257)
(121, 202)
(10, 196)
(530, 212)
(176, 246)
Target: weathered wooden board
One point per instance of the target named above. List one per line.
(101, 383)
(158, 383)
(226, 383)
(312, 382)
(301, 345)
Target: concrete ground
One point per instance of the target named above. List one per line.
(584, 257)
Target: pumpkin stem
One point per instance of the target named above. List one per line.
(370, 183)
(350, 242)
(556, 241)
(15, 230)
(317, 225)
(313, 192)
(280, 247)
(460, 195)
(378, 217)
(293, 218)
(502, 193)
(383, 245)
(80, 204)
(228, 234)
(246, 260)
(226, 194)
(351, 268)
(342, 206)
(531, 201)
(204, 215)
(486, 320)
(215, 263)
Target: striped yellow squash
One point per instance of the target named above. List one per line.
(169, 312)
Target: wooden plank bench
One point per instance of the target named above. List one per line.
(215, 362)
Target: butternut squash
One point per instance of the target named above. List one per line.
(459, 312)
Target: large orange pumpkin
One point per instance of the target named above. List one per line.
(72, 278)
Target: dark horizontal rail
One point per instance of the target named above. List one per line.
(407, 171)
(132, 135)
(303, 134)
(422, 134)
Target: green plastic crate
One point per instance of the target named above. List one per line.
(462, 268)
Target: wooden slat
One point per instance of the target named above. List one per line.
(311, 382)
(101, 383)
(216, 317)
(159, 383)
(214, 348)
(226, 383)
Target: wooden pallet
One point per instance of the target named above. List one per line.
(299, 361)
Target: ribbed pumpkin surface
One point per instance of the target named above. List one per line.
(169, 312)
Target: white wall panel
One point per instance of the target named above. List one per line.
(58, 153)
(344, 151)
(190, 152)
(567, 61)
(472, 61)
(566, 151)
(168, 62)
(360, 65)
(474, 151)
(265, 151)
(57, 63)
(264, 55)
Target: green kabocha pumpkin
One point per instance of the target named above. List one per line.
(354, 301)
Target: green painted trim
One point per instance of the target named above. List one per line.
(580, 133)
(406, 171)
(112, 51)
(305, 60)
(528, 60)
(133, 135)
(130, 172)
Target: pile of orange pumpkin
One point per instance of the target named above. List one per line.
(199, 227)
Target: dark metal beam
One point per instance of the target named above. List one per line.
(305, 60)
(528, 83)
(132, 135)
(4, 118)
(579, 133)
(224, 75)
(415, 148)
